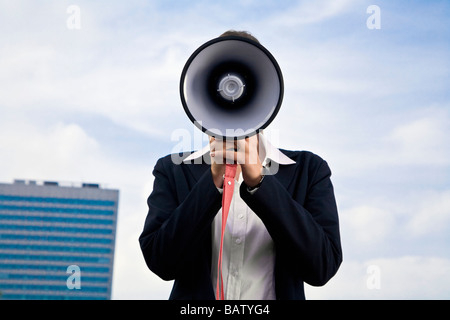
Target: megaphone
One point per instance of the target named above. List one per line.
(231, 87)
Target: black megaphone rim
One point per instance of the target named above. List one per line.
(227, 38)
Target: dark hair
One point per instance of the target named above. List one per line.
(244, 34)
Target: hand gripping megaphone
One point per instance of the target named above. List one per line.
(231, 87)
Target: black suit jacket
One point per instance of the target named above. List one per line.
(297, 206)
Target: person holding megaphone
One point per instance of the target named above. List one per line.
(239, 219)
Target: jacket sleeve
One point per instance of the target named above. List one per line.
(307, 234)
(173, 230)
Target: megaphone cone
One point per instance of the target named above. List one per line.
(231, 87)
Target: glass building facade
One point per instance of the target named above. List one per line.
(56, 242)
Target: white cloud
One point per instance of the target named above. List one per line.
(424, 140)
(379, 224)
(126, 75)
(367, 226)
(130, 92)
(432, 215)
(62, 150)
(308, 12)
(405, 277)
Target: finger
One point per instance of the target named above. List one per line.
(213, 146)
(215, 143)
(226, 156)
(229, 145)
(248, 149)
(241, 145)
(217, 150)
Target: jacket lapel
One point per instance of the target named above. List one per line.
(283, 172)
(198, 169)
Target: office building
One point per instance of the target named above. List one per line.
(56, 241)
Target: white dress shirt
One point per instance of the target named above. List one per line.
(248, 258)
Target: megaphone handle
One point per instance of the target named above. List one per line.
(227, 195)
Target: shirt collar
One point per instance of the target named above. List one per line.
(270, 151)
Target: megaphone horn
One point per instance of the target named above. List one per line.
(231, 87)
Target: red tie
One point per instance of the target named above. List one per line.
(228, 189)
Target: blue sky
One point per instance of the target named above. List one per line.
(100, 104)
